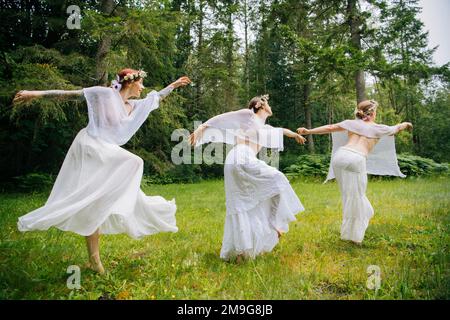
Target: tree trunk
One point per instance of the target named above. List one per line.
(101, 73)
(308, 117)
(246, 68)
(230, 92)
(360, 84)
(198, 91)
(330, 121)
(354, 24)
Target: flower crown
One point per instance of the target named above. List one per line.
(117, 83)
(262, 99)
(134, 76)
(265, 97)
(364, 115)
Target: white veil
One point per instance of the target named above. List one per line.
(108, 118)
(382, 160)
(242, 124)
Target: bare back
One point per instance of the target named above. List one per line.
(361, 143)
(255, 147)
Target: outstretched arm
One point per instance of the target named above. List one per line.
(232, 120)
(197, 134)
(403, 126)
(290, 134)
(329, 128)
(181, 82)
(63, 95)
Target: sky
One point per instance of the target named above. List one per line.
(436, 17)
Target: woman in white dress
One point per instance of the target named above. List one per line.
(97, 190)
(259, 199)
(360, 146)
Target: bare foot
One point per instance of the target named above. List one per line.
(359, 244)
(279, 233)
(96, 264)
(240, 259)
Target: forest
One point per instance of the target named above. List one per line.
(316, 59)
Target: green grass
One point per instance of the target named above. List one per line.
(408, 238)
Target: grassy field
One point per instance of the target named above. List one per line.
(408, 239)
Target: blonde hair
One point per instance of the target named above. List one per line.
(365, 109)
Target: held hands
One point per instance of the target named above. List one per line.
(181, 82)
(302, 130)
(24, 96)
(300, 139)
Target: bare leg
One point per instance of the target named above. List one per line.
(275, 204)
(279, 233)
(94, 252)
(240, 259)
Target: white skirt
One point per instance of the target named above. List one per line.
(98, 187)
(259, 200)
(349, 167)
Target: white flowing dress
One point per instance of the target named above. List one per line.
(98, 186)
(259, 198)
(350, 168)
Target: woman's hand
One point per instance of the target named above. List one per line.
(407, 125)
(181, 82)
(300, 139)
(24, 96)
(302, 130)
(195, 136)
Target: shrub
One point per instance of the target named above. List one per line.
(33, 182)
(177, 174)
(309, 165)
(412, 165)
(317, 166)
(313, 166)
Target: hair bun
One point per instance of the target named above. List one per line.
(257, 102)
(360, 114)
